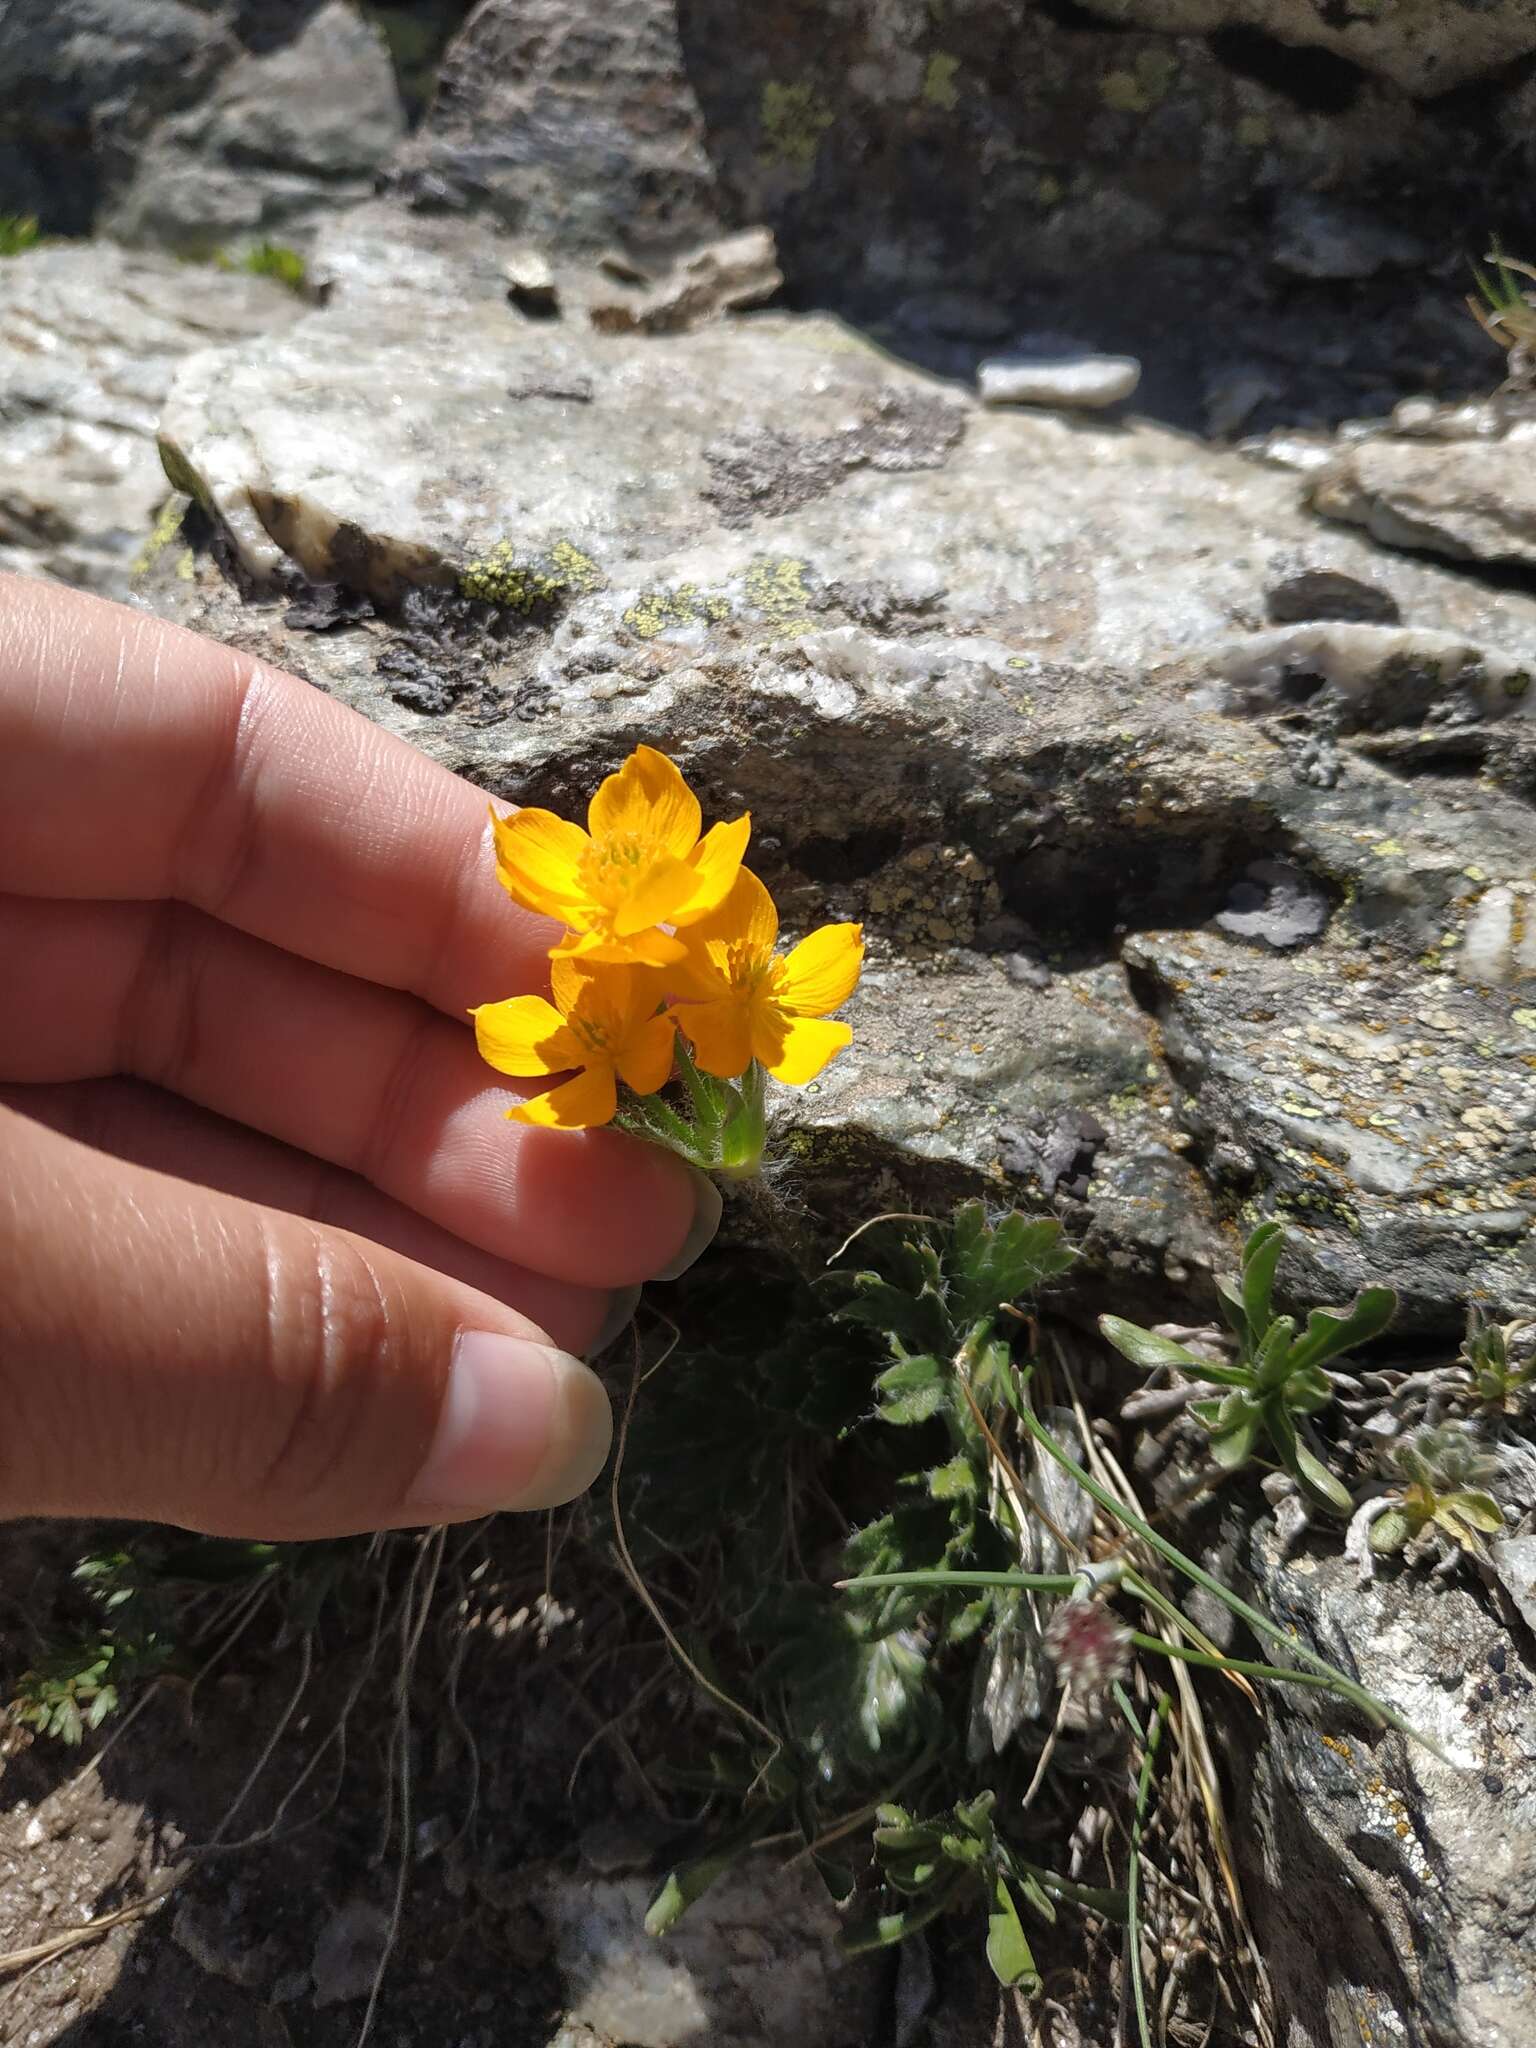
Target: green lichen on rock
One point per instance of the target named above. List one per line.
(776, 587)
(18, 233)
(939, 87)
(523, 583)
(794, 119)
(662, 611)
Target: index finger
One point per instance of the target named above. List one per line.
(138, 761)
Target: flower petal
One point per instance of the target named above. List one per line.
(795, 1049)
(822, 972)
(665, 884)
(648, 798)
(720, 1034)
(645, 949)
(591, 1098)
(716, 862)
(645, 1058)
(525, 1035)
(538, 862)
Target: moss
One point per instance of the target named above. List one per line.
(939, 87)
(1252, 131)
(180, 474)
(165, 529)
(1050, 191)
(794, 119)
(269, 259)
(529, 583)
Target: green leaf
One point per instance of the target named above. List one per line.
(1235, 1432)
(912, 1391)
(955, 1481)
(689, 1881)
(1330, 1331)
(991, 1265)
(1481, 1510)
(1390, 1531)
(1232, 1309)
(1146, 1349)
(1308, 1391)
(1261, 1255)
(1309, 1472)
(1271, 1362)
(1007, 1950)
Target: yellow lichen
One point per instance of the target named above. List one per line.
(939, 87)
(776, 587)
(794, 119)
(523, 583)
(1139, 90)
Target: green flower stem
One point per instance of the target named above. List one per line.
(1150, 1746)
(1278, 1673)
(1029, 1582)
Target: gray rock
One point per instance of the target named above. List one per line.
(1320, 238)
(1464, 499)
(721, 277)
(1391, 1888)
(1327, 594)
(754, 1960)
(349, 1952)
(1055, 749)
(89, 340)
(283, 138)
(1077, 383)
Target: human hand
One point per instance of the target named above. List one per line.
(272, 1261)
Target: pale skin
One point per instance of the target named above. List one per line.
(272, 1260)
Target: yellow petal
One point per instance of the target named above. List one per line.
(591, 1098)
(795, 1049)
(538, 862)
(703, 975)
(719, 1034)
(645, 1059)
(645, 949)
(665, 884)
(649, 799)
(524, 1036)
(716, 863)
(822, 972)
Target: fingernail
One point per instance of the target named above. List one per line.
(707, 1206)
(522, 1426)
(622, 1304)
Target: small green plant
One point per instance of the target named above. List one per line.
(1276, 1382)
(1499, 1362)
(1439, 1494)
(1504, 310)
(270, 259)
(18, 233)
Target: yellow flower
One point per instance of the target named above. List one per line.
(639, 865)
(756, 1006)
(604, 1023)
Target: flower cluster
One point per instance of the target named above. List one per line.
(665, 933)
(1088, 1646)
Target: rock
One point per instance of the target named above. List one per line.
(1416, 46)
(285, 136)
(754, 1960)
(1514, 1559)
(1465, 499)
(574, 122)
(350, 1952)
(217, 1943)
(1206, 847)
(1232, 397)
(1329, 594)
(721, 277)
(171, 120)
(1320, 238)
(1078, 383)
(89, 339)
(1427, 1863)
(531, 284)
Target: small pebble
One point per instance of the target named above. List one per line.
(1081, 383)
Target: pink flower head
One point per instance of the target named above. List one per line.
(1089, 1648)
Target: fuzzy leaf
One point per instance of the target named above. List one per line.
(1271, 1362)
(1007, 1950)
(1235, 1432)
(955, 1481)
(990, 1265)
(1232, 1309)
(1390, 1531)
(912, 1391)
(1309, 1471)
